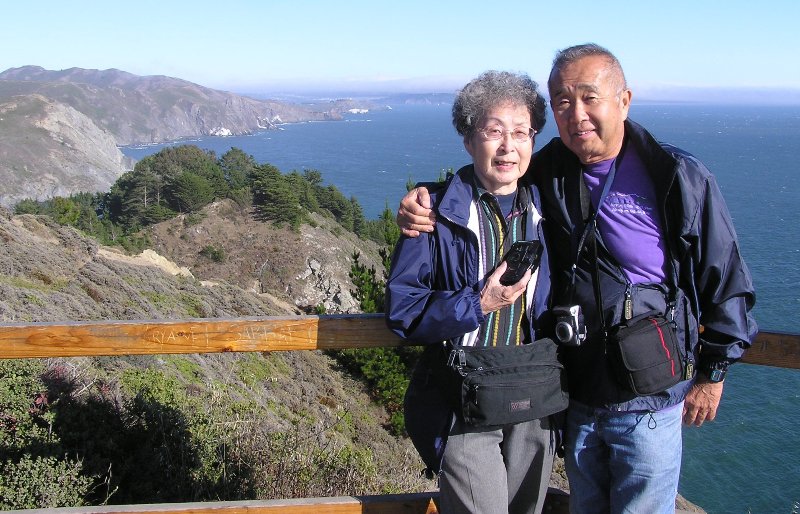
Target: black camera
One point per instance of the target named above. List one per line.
(570, 329)
(522, 256)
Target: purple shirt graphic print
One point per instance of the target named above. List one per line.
(629, 221)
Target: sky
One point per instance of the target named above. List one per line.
(288, 46)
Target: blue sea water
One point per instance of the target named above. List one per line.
(748, 459)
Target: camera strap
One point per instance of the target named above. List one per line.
(589, 214)
(590, 231)
(589, 236)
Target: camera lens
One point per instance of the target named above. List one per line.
(564, 332)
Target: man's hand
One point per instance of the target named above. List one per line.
(702, 401)
(415, 214)
(495, 295)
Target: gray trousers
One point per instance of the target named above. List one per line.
(497, 470)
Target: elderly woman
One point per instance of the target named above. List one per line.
(445, 286)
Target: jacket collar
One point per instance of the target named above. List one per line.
(457, 197)
(660, 163)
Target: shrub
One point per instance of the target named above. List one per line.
(25, 418)
(213, 253)
(33, 471)
(42, 482)
(301, 463)
(387, 372)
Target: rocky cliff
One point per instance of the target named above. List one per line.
(51, 273)
(48, 149)
(136, 109)
(59, 130)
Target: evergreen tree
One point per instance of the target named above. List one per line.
(386, 370)
(129, 197)
(171, 161)
(168, 163)
(313, 177)
(304, 190)
(260, 179)
(274, 197)
(88, 207)
(357, 213)
(391, 232)
(28, 206)
(369, 289)
(236, 167)
(64, 211)
(338, 205)
(189, 192)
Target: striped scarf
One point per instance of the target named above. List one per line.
(497, 233)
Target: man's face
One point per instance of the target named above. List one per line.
(589, 106)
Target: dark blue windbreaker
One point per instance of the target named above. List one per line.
(434, 285)
(714, 286)
(433, 295)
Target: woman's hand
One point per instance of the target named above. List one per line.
(495, 295)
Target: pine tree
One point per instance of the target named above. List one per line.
(357, 213)
(189, 192)
(274, 197)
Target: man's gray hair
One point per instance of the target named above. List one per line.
(492, 89)
(569, 55)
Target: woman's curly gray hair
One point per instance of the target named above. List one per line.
(494, 88)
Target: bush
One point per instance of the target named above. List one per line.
(28, 206)
(42, 483)
(33, 470)
(387, 372)
(302, 463)
(213, 253)
(25, 417)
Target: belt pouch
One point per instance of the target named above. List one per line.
(645, 354)
(509, 384)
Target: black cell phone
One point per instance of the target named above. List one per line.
(522, 256)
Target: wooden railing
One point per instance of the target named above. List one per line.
(268, 334)
(263, 334)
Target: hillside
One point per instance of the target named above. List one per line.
(304, 270)
(49, 149)
(53, 273)
(59, 130)
(137, 109)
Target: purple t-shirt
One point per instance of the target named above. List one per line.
(629, 221)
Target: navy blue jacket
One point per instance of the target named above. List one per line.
(433, 295)
(434, 285)
(714, 287)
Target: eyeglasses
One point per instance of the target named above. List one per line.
(519, 134)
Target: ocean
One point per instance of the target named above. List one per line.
(748, 459)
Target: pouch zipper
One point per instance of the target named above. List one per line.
(474, 388)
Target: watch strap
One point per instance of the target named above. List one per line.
(716, 371)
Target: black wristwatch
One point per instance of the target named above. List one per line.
(715, 371)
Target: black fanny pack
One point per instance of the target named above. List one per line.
(645, 354)
(495, 386)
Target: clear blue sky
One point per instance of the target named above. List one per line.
(431, 45)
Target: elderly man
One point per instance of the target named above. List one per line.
(633, 227)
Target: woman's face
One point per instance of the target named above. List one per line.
(499, 163)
